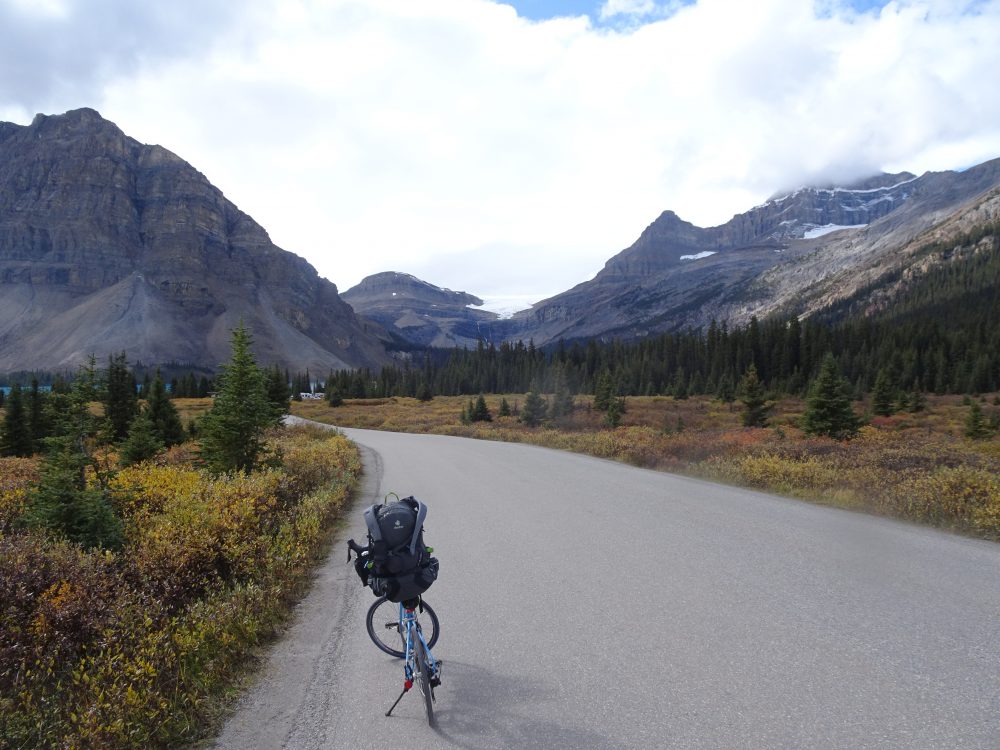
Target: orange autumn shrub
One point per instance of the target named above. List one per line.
(17, 476)
(126, 650)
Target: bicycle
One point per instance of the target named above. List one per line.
(419, 664)
(409, 642)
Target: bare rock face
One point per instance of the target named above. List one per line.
(419, 312)
(109, 245)
(792, 254)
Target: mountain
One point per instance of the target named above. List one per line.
(109, 245)
(419, 312)
(796, 254)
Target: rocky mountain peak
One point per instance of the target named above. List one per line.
(420, 312)
(110, 245)
(391, 286)
(677, 275)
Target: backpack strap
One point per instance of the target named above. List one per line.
(372, 522)
(421, 510)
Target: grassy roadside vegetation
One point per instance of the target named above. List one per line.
(137, 648)
(914, 466)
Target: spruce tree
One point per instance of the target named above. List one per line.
(534, 410)
(883, 395)
(603, 391)
(755, 404)
(613, 416)
(120, 401)
(975, 425)
(39, 420)
(333, 396)
(562, 399)
(142, 442)
(828, 406)
(72, 499)
(277, 392)
(504, 410)
(679, 390)
(726, 392)
(480, 412)
(232, 432)
(163, 414)
(15, 437)
(424, 392)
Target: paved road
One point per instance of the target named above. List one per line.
(588, 604)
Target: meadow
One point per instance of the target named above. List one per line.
(913, 466)
(139, 648)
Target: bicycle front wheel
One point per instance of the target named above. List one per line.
(383, 626)
(422, 673)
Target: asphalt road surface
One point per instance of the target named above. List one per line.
(588, 604)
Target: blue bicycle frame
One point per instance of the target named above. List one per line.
(408, 622)
(409, 626)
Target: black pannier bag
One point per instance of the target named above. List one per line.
(398, 565)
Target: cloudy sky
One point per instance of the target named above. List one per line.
(510, 149)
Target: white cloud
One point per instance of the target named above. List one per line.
(454, 140)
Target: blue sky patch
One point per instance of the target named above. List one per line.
(538, 10)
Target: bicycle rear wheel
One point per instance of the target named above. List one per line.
(422, 673)
(383, 626)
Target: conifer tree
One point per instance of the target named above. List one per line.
(163, 414)
(562, 399)
(142, 442)
(277, 392)
(603, 391)
(424, 392)
(504, 410)
(726, 392)
(883, 394)
(71, 499)
(755, 404)
(828, 406)
(480, 412)
(232, 432)
(334, 397)
(613, 416)
(679, 390)
(534, 409)
(120, 401)
(975, 425)
(39, 420)
(15, 437)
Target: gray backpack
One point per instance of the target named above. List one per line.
(399, 565)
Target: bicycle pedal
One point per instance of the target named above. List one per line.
(436, 679)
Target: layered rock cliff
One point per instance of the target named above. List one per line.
(109, 245)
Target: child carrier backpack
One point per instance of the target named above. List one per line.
(398, 565)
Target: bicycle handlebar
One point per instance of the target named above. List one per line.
(354, 547)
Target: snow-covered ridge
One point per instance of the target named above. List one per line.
(834, 190)
(827, 228)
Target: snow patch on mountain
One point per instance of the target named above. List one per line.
(827, 228)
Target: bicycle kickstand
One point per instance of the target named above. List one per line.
(406, 687)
